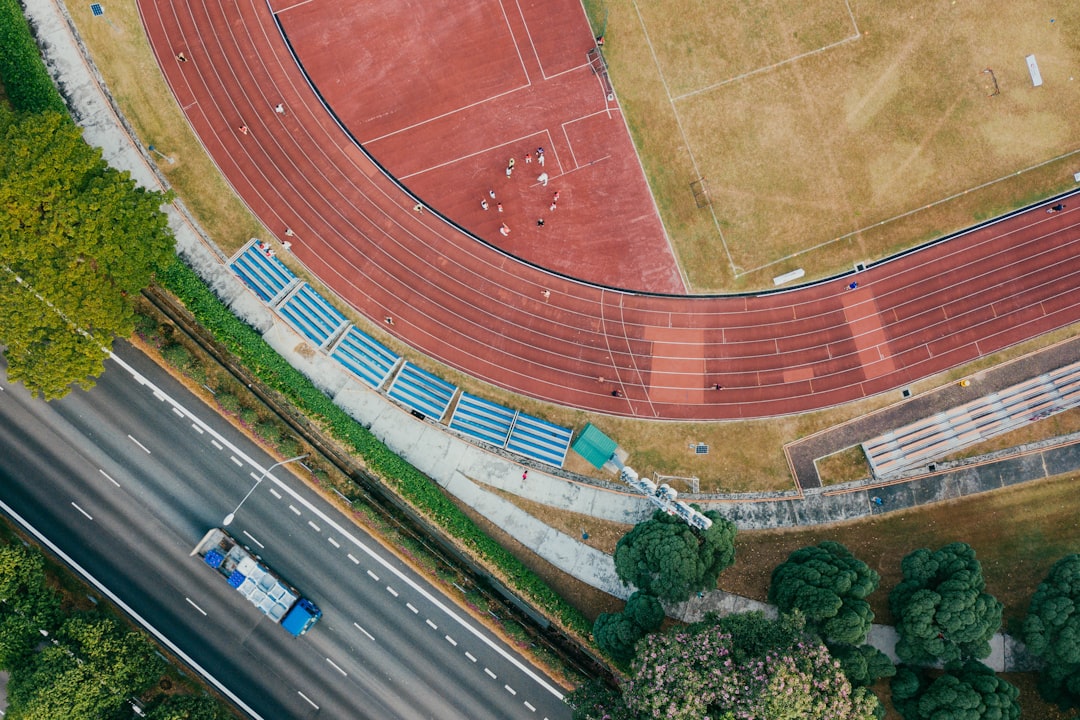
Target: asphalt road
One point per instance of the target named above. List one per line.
(124, 481)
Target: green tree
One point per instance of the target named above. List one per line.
(27, 604)
(864, 665)
(78, 240)
(665, 557)
(829, 585)
(942, 612)
(963, 692)
(617, 633)
(187, 707)
(1052, 632)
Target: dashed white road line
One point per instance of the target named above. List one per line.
(81, 510)
(238, 463)
(410, 606)
(510, 690)
(370, 636)
(192, 604)
(178, 413)
(139, 444)
(450, 640)
(470, 656)
(337, 667)
(391, 590)
(293, 508)
(275, 493)
(313, 526)
(108, 478)
(433, 625)
(355, 561)
(493, 675)
(373, 576)
(333, 542)
(253, 539)
(312, 704)
(196, 428)
(531, 708)
(216, 444)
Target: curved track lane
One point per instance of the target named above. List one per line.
(489, 315)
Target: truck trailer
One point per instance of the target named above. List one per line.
(274, 597)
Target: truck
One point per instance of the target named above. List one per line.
(274, 597)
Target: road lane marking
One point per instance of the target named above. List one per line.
(337, 667)
(493, 675)
(391, 590)
(256, 477)
(195, 427)
(355, 561)
(470, 656)
(178, 413)
(373, 576)
(433, 625)
(216, 444)
(82, 511)
(312, 704)
(192, 604)
(108, 478)
(450, 640)
(233, 458)
(250, 537)
(531, 708)
(275, 493)
(410, 606)
(293, 508)
(159, 395)
(139, 444)
(510, 690)
(333, 542)
(370, 636)
(313, 526)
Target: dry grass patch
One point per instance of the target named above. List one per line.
(844, 466)
(815, 124)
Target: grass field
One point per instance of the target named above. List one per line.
(830, 132)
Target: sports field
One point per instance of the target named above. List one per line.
(779, 134)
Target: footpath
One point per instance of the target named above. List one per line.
(472, 473)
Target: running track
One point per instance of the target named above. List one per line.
(486, 314)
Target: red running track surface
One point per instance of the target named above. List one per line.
(568, 342)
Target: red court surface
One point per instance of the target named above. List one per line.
(444, 93)
(547, 336)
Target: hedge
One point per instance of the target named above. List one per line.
(273, 371)
(26, 81)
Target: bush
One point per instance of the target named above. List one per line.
(269, 431)
(228, 402)
(178, 356)
(248, 416)
(26, 81)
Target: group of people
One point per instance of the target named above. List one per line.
(538, 156)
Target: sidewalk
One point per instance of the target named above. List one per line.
(463, 469)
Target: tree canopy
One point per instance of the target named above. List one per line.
(665, 557)
(78, 240)
(941, 610)
(27, 605)
(829, 585)
(1052, 631)
(617, 633)
(964, 692)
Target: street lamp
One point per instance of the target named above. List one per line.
(229, 518)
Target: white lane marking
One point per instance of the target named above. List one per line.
(108, 478)
(391, 590)
(250, 537)
(82, 511)
(370, 636)
(337, 667)
(493, 675)
(433, 625)
(293, 508)
(139, 444)
(178, 412)
(159, 395)
(192, 604)
(275, 493)
(410, 606)
(313, 526)
(195, 427)
(216, 444)
(312, 704)
(375, 557)
(256, 477)
(333, 542)
(355, 561)
(531, 708)
(510, 690)
(470, 656)
(450, 640)
(373, 576)
(233, 458)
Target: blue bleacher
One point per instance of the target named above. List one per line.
(308, 312)
(540, 440)
(482, 419)
(422, 391)
(365, 357)
(267, 276)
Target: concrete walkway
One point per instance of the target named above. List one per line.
(463, 469)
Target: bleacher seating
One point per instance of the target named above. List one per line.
(364, 356)
(308, 312)
(539, 440)
(482, 420)
(915, 445)
(418, 389)
(262, 272)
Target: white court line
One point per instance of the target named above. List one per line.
(108, 478)
(192, 604)
(139, 444)
(81, 510)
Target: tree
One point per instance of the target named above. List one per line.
(864, 665)
(664, 557)
(963, 692)
(27, 604)
(187, 707)
(617, 633)
(78, 240)
(942, 612)
(829, 585)
(1052, 631)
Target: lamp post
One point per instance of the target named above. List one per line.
(229, 518)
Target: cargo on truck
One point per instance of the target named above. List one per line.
(242, 569)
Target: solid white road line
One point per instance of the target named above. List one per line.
(82, 511)
(252, 539)
(108, 478)
(192, 604)
(139, 444)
